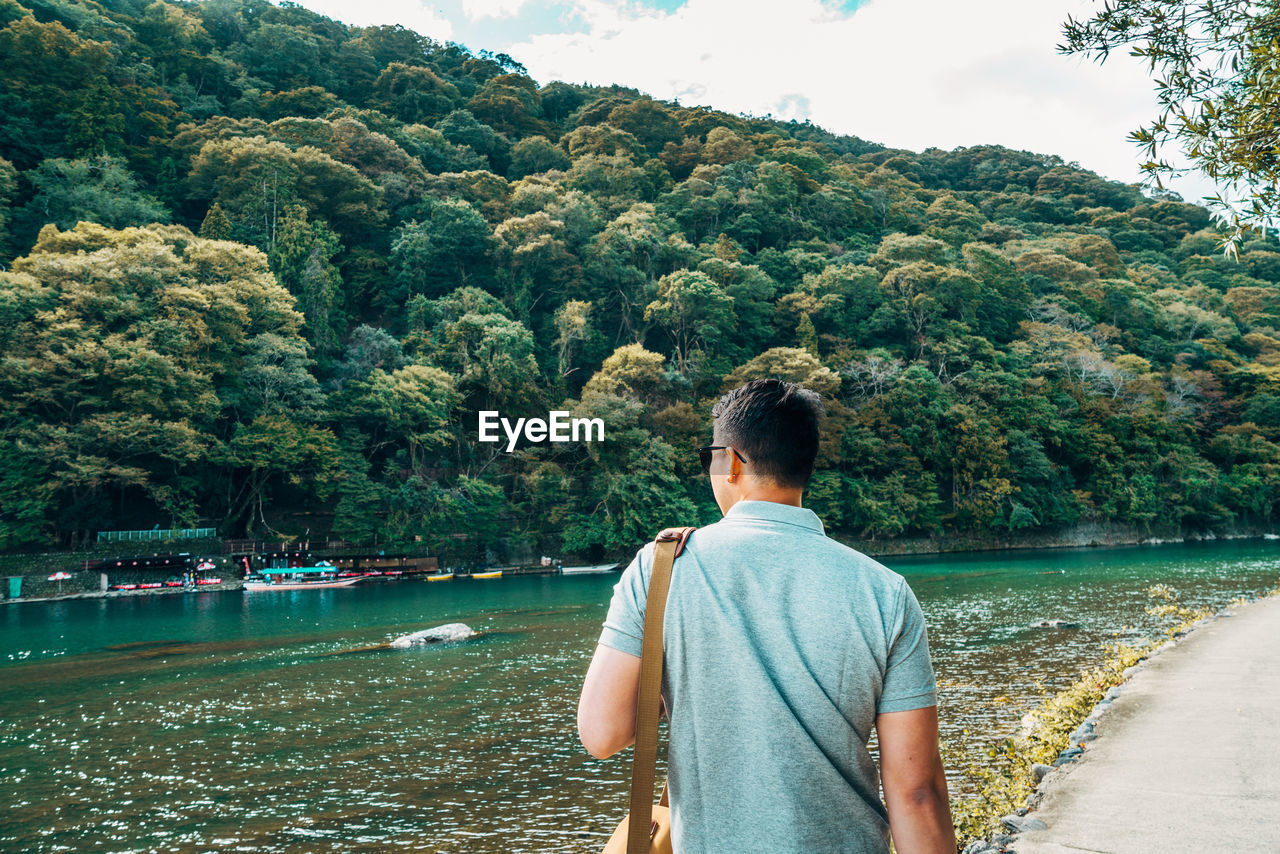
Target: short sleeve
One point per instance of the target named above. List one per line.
(624, 626)
(908, 680)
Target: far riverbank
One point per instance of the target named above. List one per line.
(227, 584)
(1091, 535)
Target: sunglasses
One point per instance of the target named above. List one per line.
(704, 454)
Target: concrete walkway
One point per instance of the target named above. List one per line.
(1187, 758)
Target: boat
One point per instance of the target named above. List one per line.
(585, 570)
(497, 573)
(298, 578)
(440, 576)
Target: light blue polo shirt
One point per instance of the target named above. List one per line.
(781, 647)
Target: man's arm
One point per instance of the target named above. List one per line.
(607, 707)
(915, 784)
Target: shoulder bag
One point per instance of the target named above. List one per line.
(647, 829)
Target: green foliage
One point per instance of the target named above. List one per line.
(8, 188)
(162, 343)
(216, 225)
(302, 261)
(448, 249)
(413, 93)
(632, 485)
(693, 310)
(254, 180)
(651, 124)
(1216, 73)
(99, 189)
(536, 154)
(463, 129)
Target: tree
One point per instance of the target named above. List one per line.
(284, 55)
(953, 220)
(536, 154)
(360, 500)
(694, 311)
(786, 363)
(601, 139)
(753, 294)
(628, 498)
(302, 262)
(538, 265)
(923, 294)
(649, 122)
(98, 189)
(1004, 340)
(725, 146)
(8, 188)
(493, 356)
(632, 483)
(510, 104)
(311, 101)
(47, 67)
(446, 250)
(1216, 67)
(275, 379)
(614, 181)
(368, 348)
(413, 93)
(97, 125)
(1003, 297)
(270, 447)
(254, 179)
(576, 332)
(434, 511)
(410, 406)
(632, 373)
(627, 258)
(462, 128)
(162, 340)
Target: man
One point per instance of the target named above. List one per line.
(782, 649)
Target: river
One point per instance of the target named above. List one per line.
(237, 721)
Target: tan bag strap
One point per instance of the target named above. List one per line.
(667, 547)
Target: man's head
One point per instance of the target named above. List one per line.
(773, 426)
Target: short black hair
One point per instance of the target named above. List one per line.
(775, 425)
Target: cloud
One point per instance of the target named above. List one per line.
(793, 106)
(417, 15)
(477, 9)
(908, 73)
(911, 74)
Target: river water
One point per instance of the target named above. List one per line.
(236, 721)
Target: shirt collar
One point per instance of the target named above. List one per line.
(775, 512)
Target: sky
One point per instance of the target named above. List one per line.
(911, 74)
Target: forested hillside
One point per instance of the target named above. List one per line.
(263, 269)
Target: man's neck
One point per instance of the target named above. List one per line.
(774, 494)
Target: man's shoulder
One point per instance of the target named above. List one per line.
(723, 539)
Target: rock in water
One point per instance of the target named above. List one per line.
(1055, 624)
(437, 634)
